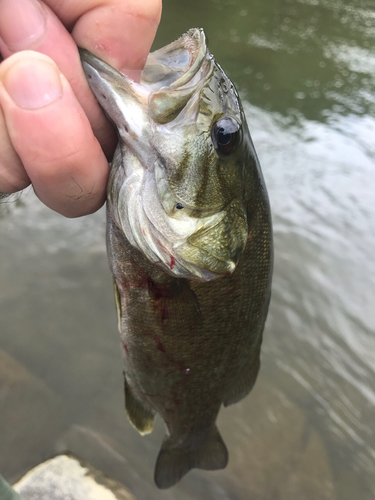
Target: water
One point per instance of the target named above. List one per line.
(305, 70)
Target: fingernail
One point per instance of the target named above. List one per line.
(33, 84)
(21, 23)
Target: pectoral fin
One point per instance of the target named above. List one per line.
(138, 414)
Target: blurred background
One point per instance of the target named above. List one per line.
(306, 72)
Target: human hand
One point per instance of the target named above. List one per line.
(53, 133)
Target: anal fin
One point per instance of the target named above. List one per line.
(244, 383)
(139, 416)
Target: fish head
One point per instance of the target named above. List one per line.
(176, 186)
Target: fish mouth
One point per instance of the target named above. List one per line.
(177, 63)
(170, 78)
(172, 66)
(175, 73)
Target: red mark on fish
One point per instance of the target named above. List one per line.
(159, 344)
(169, 359)
(173, 260)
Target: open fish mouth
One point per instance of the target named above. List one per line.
(171, 76)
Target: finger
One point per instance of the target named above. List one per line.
(29, 24)
(52, 135)
(119, 31)
(13, 176)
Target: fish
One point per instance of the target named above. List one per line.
(189, 239)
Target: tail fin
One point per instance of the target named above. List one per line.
(174, 462)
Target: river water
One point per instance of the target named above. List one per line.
(306, 72)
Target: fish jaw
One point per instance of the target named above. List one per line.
(124, 101)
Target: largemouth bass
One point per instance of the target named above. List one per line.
(189, 241)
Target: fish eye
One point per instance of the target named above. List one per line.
(226, 135)
(179, 206)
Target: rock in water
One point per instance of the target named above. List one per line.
(66, 477)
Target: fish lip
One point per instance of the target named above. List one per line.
(114, 77)
(99, 64)
(194, 42)
(92, 60)
(197, 56)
